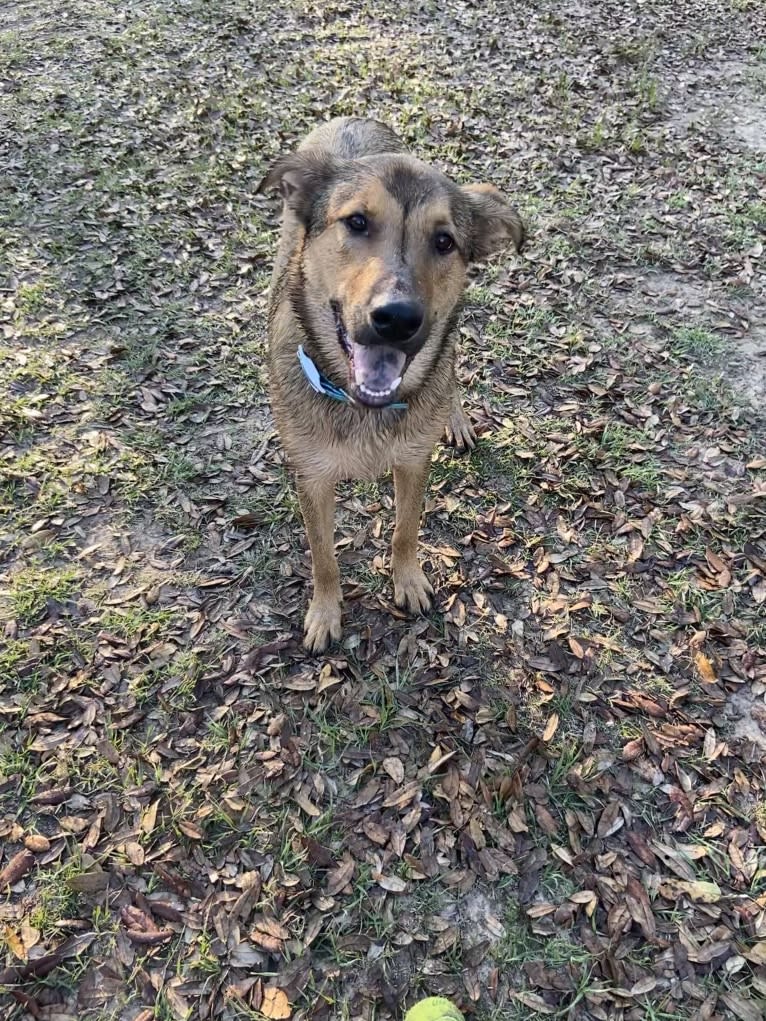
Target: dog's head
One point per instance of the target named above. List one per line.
(387, 243)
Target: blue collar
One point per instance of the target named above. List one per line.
(322, 385)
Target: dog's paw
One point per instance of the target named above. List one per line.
(412, 590)
(459, 433)
(322, 624)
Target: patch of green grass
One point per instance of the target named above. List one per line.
(180, 406)
(13, 653)
(520, 946)
(682, 589)
(678, 200)
(596, 135)
(747, 224)
(570, 753)
(23, 766)
(634, 138)
(132, 620)
(697, 343)
(556, 886)
(31, 298)
(712, 393)
(54, 899)
(635, 49)
(172, 685)
(646, 88)
(204, 960)
(31, 587)
(624, 450)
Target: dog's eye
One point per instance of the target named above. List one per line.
(444, 243)
(357, 222)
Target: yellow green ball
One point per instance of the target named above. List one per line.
(433, 1008)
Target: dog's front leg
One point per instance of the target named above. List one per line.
(411, 587)
(459, 432)
(322, 623)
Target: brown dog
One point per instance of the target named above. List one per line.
(368, 278)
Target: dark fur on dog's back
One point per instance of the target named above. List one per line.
(327, 287)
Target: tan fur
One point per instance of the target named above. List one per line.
(344, 167)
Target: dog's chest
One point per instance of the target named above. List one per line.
(350, 459)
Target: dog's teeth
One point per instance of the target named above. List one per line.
(380, 393)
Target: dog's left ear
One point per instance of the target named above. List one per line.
(301, 178)
(495, 221)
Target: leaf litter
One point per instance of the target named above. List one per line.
(546, 798)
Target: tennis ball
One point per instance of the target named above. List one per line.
(433, 1008)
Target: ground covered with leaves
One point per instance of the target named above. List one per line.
(546, 798)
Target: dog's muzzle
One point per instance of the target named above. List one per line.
(376, 368)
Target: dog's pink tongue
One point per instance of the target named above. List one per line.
(378, 369)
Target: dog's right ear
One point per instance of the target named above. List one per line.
(495, 221)
(301, 178)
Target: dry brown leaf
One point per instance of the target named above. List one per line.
(190, 830)
(705, 668)
(14, 942)
(273, 928)
(535, 1003)
(275, 1004)
(16, 869)
(37, 843)
(393, 884)
(306, 804)
(338, 878)
(698, 890)
(611, 820)
(134, 853)
(551, 727)
(640, 909)
(744, 1009)
(633, 749)
(395, 768)
(149, 817)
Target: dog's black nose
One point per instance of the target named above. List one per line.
(397, 321)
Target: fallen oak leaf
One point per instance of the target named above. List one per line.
(551, 727)
(637, 902)
(275, 1004)
(395, 768)
(633, 749)
(16, 868)
(190, 830)
(587, 898)
(41, 966)
(338, 878)
(699, 890)
(705, 668)
(643, 986)
(393, 884)
(14, 943)
(272, 927)
(306, 804)
(744, 1009)
(535, 1002)
(267, 941)
(755, 954)
(37, 843)
(149, 939)
(611, 820)
(141, 928)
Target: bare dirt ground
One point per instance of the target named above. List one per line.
(545, 798)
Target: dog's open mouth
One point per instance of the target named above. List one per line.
(375, 371)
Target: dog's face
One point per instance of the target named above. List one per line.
(387, 244)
